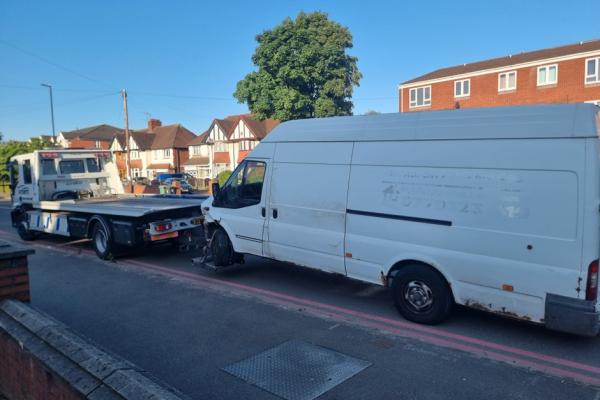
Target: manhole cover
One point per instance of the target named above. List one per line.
(296, 370)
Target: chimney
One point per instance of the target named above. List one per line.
(153, 123)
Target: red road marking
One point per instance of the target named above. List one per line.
(427, 334)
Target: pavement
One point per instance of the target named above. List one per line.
(184, 325)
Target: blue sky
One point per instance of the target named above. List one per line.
(180, 60)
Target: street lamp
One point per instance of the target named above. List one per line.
(51, 112)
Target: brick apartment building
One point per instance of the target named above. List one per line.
(565, 74)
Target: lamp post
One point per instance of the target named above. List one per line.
(51, 112)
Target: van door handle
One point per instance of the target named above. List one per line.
(263, 212)
(275, 213)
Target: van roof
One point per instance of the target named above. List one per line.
(515, 122)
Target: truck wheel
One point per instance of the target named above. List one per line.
(24, 232)
(421, 294)
(221, 248)
(101, 241)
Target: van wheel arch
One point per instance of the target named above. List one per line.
(233, 257)
(404, 263)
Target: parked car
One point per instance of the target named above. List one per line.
(492, 208)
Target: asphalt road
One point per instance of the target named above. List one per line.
(184, 324)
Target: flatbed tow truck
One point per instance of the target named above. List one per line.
(78, 194)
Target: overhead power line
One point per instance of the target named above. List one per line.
(63, 104)
(57, 65)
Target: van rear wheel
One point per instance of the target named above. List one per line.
(421, 294)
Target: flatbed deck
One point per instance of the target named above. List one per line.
(123, 205)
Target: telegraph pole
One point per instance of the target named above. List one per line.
(127, 160)
(51, 112)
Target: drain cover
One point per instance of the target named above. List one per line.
(296, 370)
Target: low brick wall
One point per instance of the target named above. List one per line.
(14, 274)
(40, 358)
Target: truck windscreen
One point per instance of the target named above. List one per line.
(71, 167)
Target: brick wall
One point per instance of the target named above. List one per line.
(42, 359)
(484, 89)
(14, 279)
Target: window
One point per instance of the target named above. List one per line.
(134, 154)
(246, 145)
(592, 70)
(26, 172)
(93, 165)
(507, 81)
(462, 88)
(166, 153)
(547, 75)
(420, 97)
(220, 146)
(244, 186)
(71, 167)
(48, 167)
(196, 150)
(135, 172)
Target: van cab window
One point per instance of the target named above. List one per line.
(244, 186)
(71, 167)
(27, 172)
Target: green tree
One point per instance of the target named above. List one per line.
(222, 177)
(12, 148)
(303, 70)
(372, 112)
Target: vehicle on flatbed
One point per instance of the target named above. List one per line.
(78, 194)
(494, 209)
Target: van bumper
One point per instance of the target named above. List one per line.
(567, 314)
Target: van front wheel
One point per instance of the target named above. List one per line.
(221, 248)
(421, 294)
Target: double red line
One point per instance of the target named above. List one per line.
(551, 365)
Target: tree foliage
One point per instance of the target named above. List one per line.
(12, 148)
(223, 176)
(303, 70)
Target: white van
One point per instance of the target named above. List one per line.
(495, 209)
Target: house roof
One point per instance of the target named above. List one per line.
(171, 136)
(229, 123)
(197, 161)
(200, 139)
(101, 133)
(513, 59)
(258, 127)
(515, 122)
(162, 137)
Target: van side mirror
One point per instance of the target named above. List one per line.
(216, 189)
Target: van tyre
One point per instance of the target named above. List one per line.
(421, 294)
(221, 248)
(102, 243)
